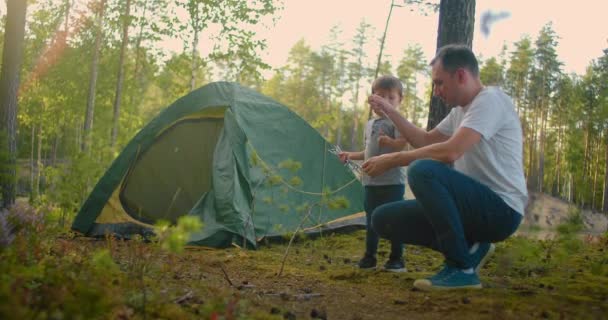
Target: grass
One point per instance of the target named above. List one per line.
(48, 273)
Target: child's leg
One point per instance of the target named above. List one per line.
(371, 238)
(395, 193)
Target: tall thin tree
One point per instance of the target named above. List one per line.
(126, 19)
(90, 111)
(12, 58)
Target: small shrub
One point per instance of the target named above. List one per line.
(174, 238)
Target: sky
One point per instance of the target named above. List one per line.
(580, 25)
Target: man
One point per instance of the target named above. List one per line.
(458, 211)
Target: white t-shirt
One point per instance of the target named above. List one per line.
(497, 159)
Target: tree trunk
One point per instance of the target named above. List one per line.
(605, 199)
(32, 164)
(9, 86)
(382, 40)
(570, 188)
(456, 25)
(90, 111)
(138, 74)
(557, 188)
(532, 134)
(355, 129)
(54, 150)
(541, 151)
(587, 147)
(194, 66)
(66, 26)
(596, 169)
(38, 163)
(121, 68)
(339, 129)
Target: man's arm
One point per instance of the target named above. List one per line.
(447, 151)
(417, 137)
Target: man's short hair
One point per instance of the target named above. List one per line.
(455, 56)
(388, 83)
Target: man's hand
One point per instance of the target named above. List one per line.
(379, 104)
(379, 164)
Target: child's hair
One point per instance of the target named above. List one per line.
(388, 83)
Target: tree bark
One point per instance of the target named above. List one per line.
(194, 65)
(121, 68)
(557, 188)
(38, 166)
(90, 111)
(355, 129)
(54, 150)
(456, 25)
(12, 58)
(605, 199)
(32, 164)
(339, 129)
(138, 73)
(541, 151)
(596, 169)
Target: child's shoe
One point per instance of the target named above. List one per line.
(367, 262)
(395, 265)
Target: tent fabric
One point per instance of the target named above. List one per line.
(195, 158)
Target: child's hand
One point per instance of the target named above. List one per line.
(344, 156)
(385, 141)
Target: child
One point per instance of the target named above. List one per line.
(381, 137)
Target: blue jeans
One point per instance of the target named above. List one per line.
(376, 196)
(450, 213)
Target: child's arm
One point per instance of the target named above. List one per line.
(355, 155)
(396, 144)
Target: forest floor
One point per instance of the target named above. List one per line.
(51, 274)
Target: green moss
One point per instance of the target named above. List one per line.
(49, 275)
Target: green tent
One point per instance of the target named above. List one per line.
(228, 155)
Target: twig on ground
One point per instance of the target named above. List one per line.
(306, 296)
(189, 295)
(294, 236)
(286, 296)
(226, 275)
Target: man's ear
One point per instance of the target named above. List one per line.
(461, 73)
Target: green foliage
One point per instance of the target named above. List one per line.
(102, 262)
(173, 238)
(522, 258)
(572, 226)
(339, 202)
(43, 277)
(291, 165)
(71, 183)
(274, 180)
(234, 48)
(295, 181)
(492, 73)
